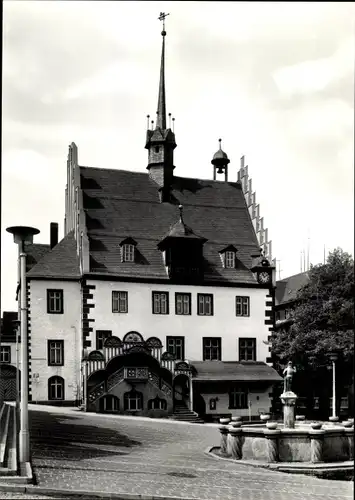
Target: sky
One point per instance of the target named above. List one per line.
(274, 80)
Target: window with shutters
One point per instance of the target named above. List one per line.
(242, 306)
(176, 346)
(119, 302)
(128, 252)
(160, 302)
(212, 348)
(205, 304)
(183, 304)
(247, 349)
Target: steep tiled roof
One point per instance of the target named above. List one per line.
(234, 371)
(120, 204)
(60, 262)
(35, 252)
(286, 289)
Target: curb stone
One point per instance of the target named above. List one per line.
(66, 493)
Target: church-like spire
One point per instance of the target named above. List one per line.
(161, 111)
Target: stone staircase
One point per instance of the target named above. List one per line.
(182, 413)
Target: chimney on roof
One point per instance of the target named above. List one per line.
(53, 234)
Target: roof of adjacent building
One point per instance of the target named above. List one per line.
(35, 252)
(120, 204)
(59, 262)
(287, 289)
(234, 371)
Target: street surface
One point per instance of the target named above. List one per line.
(74, 450)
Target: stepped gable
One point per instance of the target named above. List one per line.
(60, 262)
(120, 204)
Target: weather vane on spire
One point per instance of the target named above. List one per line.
(162, 18)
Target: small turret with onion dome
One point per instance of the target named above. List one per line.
(220, 163)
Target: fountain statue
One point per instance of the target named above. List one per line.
(289, 371)
(288, 397)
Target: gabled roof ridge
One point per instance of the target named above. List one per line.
(285, 280)
(217, 181)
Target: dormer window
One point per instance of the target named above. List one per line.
(228, 257)
(128, 253)
(128, 249)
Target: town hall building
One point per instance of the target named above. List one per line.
(158, 300)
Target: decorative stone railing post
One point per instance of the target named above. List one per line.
(317, 438)
(224, 435)
(272, 435)
(235, 437)
(349, 433)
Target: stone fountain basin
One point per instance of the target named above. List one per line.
(294, 445)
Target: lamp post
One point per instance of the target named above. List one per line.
(22, 235)
(333, 358)
(16, 324)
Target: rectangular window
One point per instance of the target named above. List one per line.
(55, 301)
(212, 348)
(183, 303)
(160, 302)
(128, 253)
(230, 259)
(119, 302)
(55, 352)
(247, 349)
(5, 354)
(101, 336)
(176, 346)
(238, 398)
(242, 307)
(205, 304)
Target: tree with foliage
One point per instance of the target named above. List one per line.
(322, 323)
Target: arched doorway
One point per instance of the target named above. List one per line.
(181, 390)
(8, 382)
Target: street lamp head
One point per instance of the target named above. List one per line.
(22, 234)
(333, 356)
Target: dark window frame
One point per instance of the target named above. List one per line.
(109, 334)
(244, 349)
(204, 347)
(50, 380)
(242, 297)
(5, 349)
(198, 303)
(229, 253)
(176, 303)
(233, 404)
(175, 337)
(61, 292)
(128, 252)
(119, 311)
(61, 343)
(156, 292)
(138, 397)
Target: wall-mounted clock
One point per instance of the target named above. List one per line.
(264, 277)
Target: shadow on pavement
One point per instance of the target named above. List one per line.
(64, 437)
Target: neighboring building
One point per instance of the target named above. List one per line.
(158, 295)
(9, 356)
(286, 298)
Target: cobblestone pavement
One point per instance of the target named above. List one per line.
(73, 450)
